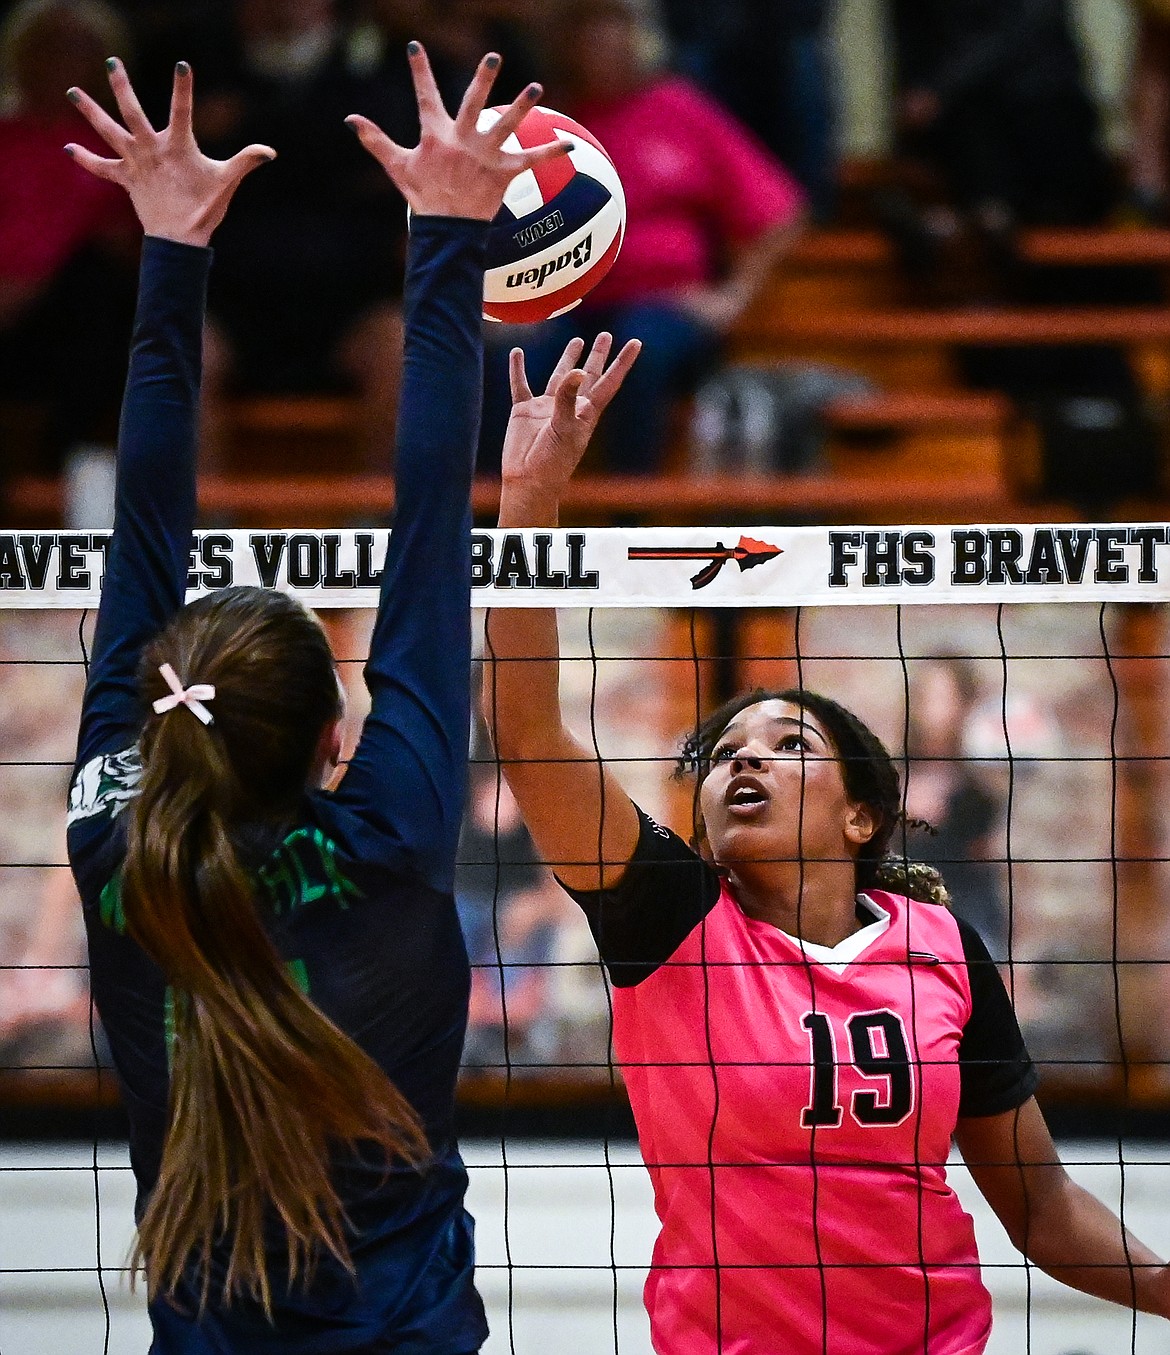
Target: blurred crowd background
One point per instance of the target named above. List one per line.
(740, 129)
(727, 123)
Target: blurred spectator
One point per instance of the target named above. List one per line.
(306, 287)
(458, 32)
(67, 240)
(767, 62)
(953, 793)
(44, 993)
(44, 999)
(991, 96)
(710, 213)
(1150, 145)
(510, 908)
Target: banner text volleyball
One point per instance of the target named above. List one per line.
(647, 566)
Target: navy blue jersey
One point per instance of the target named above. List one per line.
(358, 894)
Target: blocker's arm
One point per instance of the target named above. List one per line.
(180, 196)
(1067, 1232)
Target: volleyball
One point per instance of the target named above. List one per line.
(561, 225)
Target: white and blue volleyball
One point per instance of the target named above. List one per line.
(561, 225)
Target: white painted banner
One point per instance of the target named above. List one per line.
(651, 566)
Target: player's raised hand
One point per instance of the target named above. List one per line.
(178, 192)
(548, 434)
(455, 170)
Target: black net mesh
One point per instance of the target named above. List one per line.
(1033, 753)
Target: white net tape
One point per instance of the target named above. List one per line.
(652, 566)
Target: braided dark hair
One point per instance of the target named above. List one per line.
(869, 775)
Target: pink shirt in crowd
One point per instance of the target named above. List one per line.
(780, 1235)
(50, 206)
(697, 183)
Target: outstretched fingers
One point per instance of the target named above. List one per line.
(112, 133)
(509, 122)
(609, 383)
(518, 377)
(128, 105)
(568, 360)
(426, 89)
(244, 162)
(548, 150)
(565, 400)
(476, 96)
(514, 115)
(177, 192)
(389, 154)
(100, 168)
(181, 101)
(594, 364)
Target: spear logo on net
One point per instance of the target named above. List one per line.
(747, 555)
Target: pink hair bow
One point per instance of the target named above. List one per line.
(192, 697)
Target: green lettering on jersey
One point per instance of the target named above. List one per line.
(110, 905)
(303, 869)
(299, 973)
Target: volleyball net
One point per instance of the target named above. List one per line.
(1017, 673)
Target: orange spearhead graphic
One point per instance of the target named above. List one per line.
(747, 554)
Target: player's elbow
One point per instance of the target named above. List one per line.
(1046, 1220)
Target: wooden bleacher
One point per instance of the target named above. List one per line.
(867, 478)
(1046, 246)
(953, 328)
(332, 501)
(924, 447)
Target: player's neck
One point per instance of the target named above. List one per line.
(812, 900)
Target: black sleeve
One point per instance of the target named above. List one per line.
(665, 892)
(995, 1072)
(146, 575)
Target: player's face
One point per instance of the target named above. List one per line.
(775, 791)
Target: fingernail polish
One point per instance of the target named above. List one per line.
(182, 68)
(69, 152)
(111, 63)
(73, 95)
(413, 48)
(533, 91)
(353, 127)
(492, 62)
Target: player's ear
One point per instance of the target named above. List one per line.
(860, 824)
(327, 755)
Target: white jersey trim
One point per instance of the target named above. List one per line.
(838, 958)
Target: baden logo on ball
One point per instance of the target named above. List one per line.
(561, 225)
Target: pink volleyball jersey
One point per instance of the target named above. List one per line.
(795, 1106)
